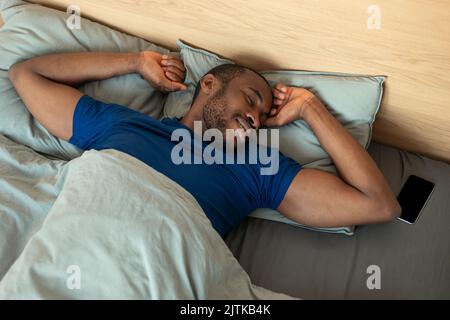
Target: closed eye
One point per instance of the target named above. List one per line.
(250, 101)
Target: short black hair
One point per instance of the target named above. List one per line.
(225, 73)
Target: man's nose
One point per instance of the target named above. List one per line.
(254, 121)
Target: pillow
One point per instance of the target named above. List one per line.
(353, 99)
(197, 63)
(31, 30)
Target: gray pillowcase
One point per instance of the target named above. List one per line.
(353, 99)
(31, 30)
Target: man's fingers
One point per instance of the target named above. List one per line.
(172, 76)
(278, 94)
(173, 62)
(177, 86)
(275, 91)
(277, 101)
(281, 87)
(173, 73)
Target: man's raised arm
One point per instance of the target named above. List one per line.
(46, 83)
(321, 199)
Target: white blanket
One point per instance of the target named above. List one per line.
(121, 230)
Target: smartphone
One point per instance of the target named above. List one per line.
(413, 197)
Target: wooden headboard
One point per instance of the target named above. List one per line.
(409, 41)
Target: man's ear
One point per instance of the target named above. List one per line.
(209, 84)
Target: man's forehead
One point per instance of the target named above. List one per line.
(255, 78)
(251, 80)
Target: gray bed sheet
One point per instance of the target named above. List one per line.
(413, 260)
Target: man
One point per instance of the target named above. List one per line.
(228, 97)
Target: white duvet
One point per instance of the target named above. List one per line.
(121, 230)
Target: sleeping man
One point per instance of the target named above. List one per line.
(228, 97)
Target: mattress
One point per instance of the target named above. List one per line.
(408, 261)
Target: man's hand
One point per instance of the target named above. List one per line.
(163, 72)
(288, 105)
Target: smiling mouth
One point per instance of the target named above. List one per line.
(243, 124)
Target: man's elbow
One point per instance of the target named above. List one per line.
(390, 211)
(17, 71)
(14, 72)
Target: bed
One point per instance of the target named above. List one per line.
(260, 259)
(414, 260)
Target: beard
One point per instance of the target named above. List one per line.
(215, 115)
(214, 112)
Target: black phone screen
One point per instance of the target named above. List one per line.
(413, 197)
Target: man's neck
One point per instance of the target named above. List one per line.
(190, 117)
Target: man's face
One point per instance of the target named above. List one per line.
(244, 104)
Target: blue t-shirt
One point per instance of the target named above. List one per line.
(226, 192)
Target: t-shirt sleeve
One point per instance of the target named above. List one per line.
(274, 186)
(92, 119)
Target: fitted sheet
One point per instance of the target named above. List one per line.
(414, 260)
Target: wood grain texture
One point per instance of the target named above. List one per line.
(412, 48)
